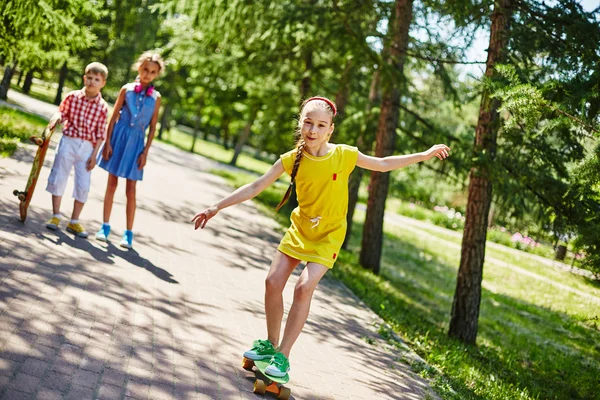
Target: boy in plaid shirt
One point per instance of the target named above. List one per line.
(84, 114)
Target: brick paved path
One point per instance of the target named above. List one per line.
(80, 319)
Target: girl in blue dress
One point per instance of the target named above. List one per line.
(124, 154)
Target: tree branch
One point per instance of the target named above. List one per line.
(437, 60)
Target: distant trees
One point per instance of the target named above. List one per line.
(41, 35)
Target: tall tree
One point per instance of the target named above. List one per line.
(370, 254)
(467, 298)
(534, 150)
(45, 30)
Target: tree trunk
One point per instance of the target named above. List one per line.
(364, 146)
(164, 120)
(341, 97)
(305, 87)
(225, 130)
(61, 83)
(243, 137)
(467, 298)
(372, 240)
(27, 83)
(20, 77)
(196, 126)
(5, 85)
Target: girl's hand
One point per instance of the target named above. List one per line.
(440, 151)
(142, 161)
(202, 218)
(107, 151)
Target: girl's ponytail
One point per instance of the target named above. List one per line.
(288, 192)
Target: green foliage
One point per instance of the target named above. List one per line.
(31, 31)
(550, 169)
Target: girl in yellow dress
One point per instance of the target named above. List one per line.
(320, 172)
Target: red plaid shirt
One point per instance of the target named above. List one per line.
(84, 118)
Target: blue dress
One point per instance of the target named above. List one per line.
(129, 133)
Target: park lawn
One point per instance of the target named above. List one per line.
(43, 92)
(214, 151)
(538, 326)
(17, 126)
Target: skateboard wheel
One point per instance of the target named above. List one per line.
(16, 192)
(247, 364)
(21, 197)
(284, 393)
(37, 140)
(260, 386)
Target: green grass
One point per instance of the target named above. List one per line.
(536, 340)
(538, 327)
(214, 151)
(493, 235)
(17, 126)
(42, 92)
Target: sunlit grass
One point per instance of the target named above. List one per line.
(215, 151)
(43, 91)
(17, 126)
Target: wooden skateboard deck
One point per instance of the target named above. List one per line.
(267, 383)
(25, 196)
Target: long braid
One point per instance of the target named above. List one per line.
(293, 176)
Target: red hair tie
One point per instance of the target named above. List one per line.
(326, 100)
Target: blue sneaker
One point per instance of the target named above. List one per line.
(127, 240)
(103, 233)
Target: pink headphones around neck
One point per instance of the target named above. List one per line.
(138, 88)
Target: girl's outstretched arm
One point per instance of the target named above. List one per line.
(390, 163)
(240, 195)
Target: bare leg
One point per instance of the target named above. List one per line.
(109, 196)
(130, 192)
(309, 279)
(56, 204)
(77, 207)
(281, 269)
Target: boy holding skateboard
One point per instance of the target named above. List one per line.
(84, 114)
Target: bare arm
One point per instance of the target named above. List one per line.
(142, 157)
(240, 195)
(385, 164)
(107, 151)
(152, 126)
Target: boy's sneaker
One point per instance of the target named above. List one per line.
(103, 233)
(279, 366)
(52, 224)
(77, 229)
(127, 240)
(261, 350)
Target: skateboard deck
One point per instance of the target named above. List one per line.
(267, 383)
(25, 196)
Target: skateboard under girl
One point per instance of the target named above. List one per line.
(42, 142)
(267, 383)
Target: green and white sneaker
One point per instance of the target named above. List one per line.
(261, 350)
(279, 366)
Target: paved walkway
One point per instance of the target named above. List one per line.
(80, 319)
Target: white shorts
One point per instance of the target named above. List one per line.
(71, 152)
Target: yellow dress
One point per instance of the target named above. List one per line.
(319, 222)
